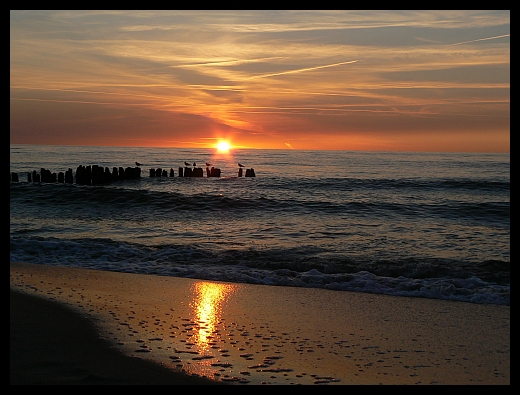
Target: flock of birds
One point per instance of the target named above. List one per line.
(187, 164)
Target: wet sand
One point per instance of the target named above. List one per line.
(242, 334)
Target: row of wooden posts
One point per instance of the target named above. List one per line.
(196, 172)
(95, 175)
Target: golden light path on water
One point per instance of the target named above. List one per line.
(207, 306)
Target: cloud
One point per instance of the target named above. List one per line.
(289, 145)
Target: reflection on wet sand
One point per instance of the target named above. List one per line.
(207, 307)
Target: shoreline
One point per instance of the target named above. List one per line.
(43, 352)
(259, 334)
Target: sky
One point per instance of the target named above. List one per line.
(436, 81)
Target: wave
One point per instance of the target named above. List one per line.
(302, 266)
(66, 196)
(423, 185)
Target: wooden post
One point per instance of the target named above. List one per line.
(108, 175)
(95, 175)
(181, 172)
(68, 176)
(80, 175)
(214, 172)
(240, 172)
(171, 172)
(14, 176)
(28, 177)
(61, 177)
(88, 175)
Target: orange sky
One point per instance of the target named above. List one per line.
(359, 80)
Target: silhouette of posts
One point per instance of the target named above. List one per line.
(249, 172)
(107, 175)
(35, 176)
(95, 175)
(213, 172)
(69, 178)
(115, 174)
(46, 175)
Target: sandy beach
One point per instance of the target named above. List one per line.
(122, 328)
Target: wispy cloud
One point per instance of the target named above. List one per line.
(277, 74)
(225, 63)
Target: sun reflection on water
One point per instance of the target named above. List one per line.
(207, 307)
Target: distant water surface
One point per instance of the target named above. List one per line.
(432, 225)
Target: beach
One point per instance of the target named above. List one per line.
(126, 328)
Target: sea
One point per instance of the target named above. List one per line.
(415, 224)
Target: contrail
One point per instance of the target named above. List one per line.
(482, 39)
(300, 70)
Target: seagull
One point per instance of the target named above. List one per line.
(194, 164)
(138, 164)
(240, 165)
(186, 164)
(208, 164)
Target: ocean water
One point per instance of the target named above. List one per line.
(430, 225)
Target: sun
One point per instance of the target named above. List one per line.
(223, 146)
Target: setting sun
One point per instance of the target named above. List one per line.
(223, 146)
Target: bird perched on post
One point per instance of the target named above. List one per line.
(186, 164)
(194, 164)
(138, 164)
(240, 165)
(208, 164)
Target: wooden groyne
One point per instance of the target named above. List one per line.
(97, 175)
(249, 172)
(85, 175)
(186, 172)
